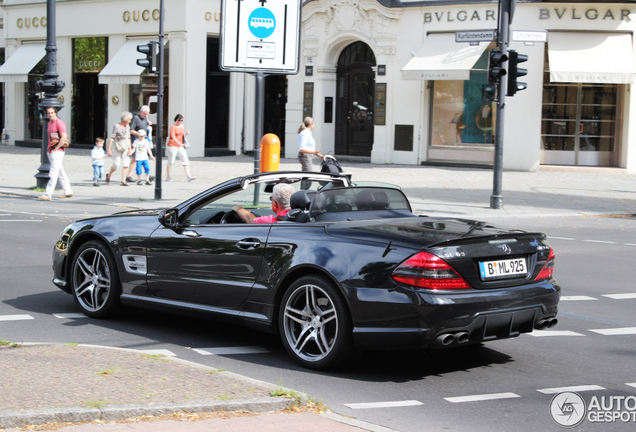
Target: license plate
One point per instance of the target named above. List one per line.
(509, 267)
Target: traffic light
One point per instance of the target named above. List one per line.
(150, 61)
(515, 72)
(495, 72)
(495, 67)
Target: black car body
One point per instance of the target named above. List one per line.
(351, 267)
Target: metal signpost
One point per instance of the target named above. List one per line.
(260, 37)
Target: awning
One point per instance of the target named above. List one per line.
(18, 66)
(122, 68)
(590, 57)
(441, 58)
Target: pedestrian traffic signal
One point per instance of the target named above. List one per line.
(515, 72)
(495, 67)
(150, 61)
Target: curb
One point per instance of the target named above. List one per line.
(21, 418)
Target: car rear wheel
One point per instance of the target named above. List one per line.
(315, 324)
(95, 281)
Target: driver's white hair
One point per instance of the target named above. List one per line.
(281, 193)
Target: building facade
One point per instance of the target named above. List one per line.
(384, 80)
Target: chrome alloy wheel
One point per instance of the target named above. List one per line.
(310, 323)
(91, 279)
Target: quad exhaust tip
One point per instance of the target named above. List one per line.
(448, 338)
(546, 323)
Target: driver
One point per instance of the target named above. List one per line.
(281, 194)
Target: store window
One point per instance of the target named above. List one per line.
(88, 104)
(34, 119)
(579, 123)
(460, 115)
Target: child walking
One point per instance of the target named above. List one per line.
(97, 155)
(142, 150)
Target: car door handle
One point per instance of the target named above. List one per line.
(191, 233)
(248, 243)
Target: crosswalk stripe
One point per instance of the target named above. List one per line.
(15, 317)
(231, 350)
(616, 331)
(389, 404)
(621, 296)
(572, 388)
(577, 298)
(544, 333)
(74, 315)
(482, 397)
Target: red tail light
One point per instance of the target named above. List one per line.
(426, 270)
(548, 268)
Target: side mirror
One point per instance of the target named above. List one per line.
(170, 219)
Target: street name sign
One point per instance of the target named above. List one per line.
(260, 36)
(529, 36)
(475, 36)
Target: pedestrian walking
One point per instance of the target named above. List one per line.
(58, 141)
(140, 122)
(307, 145)
(121, 153)
(177, 147)
(97, 156)
(143, 151)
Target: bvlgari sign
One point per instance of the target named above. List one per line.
(590, 14)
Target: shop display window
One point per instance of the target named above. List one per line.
(578, 116)
(34, 117)
(460, 115)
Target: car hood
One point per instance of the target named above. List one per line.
(417, 232)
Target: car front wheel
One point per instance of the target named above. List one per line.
(315, 324)
(95, 281)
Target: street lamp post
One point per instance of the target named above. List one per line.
(51, 87)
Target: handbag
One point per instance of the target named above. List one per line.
(186, 144)
(121, 145)
(55, 141)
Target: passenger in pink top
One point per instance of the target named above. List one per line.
(281, 194)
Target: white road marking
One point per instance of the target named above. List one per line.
(621, 296)
(577, 298)
(19, 220)
(599, 241)
(74, 315)
(231, 350)
(630, 244)
(391, 404)
(483, 397)
(15, 317)
(631, 384)
(163, 352)
(616, 331)
(543, 333)
(572, 388)
(561, 238)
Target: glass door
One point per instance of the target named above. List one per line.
(578, 124)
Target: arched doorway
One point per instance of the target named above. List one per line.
(354, 106)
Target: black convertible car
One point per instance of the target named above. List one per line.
(350, 267)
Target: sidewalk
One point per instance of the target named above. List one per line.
(443, 191)
(63, 385)
(79, 383)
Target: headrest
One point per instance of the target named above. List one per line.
(301, 199)
(369, 199)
